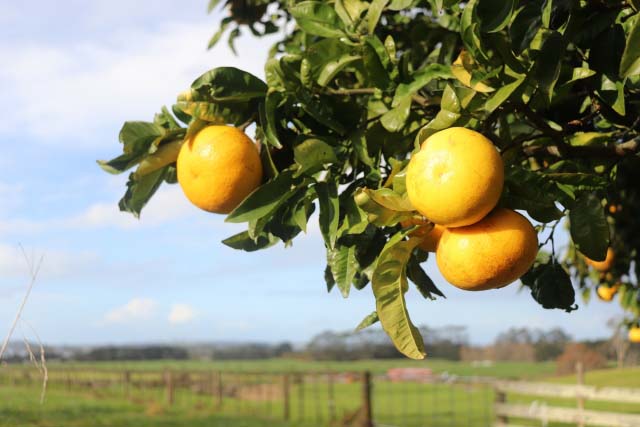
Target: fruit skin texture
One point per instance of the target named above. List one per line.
(603, 265)
(218, 168)
(634, 334)
(430, 235)
(489, 254)
(606, 293)
(456, 178)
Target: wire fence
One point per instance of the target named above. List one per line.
(301, 398)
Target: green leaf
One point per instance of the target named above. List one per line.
(140, 190)
(448, 115)
(502, 94)
(229, 84)
(374, 13)
(137, 137)
(389, 285)
(389, 199)
(376, 213)
(368, 321)
(318, 18)
(524, 27)
(549, 63)
(268, 118)
(165, 155)
(395, 119)
(551, 286)
(242, 241)
(329, 211)
(494, 15)
(589, 228)
(265, 199)
(218, 34)
(400, 4)
(312, 155)
(344, 266)
(612, 93)
(421, 78)
(422, 281)
(334, 66)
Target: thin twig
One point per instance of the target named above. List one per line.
(34, 274)
(42, 366)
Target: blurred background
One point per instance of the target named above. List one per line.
(163, 288)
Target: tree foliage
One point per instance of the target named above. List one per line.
(353, 87)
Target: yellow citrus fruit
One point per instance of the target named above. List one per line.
(430, 234)
(603, 265)
(218, 168)
(488, 254)
(456, 178)
(606, 293)
(634, 334)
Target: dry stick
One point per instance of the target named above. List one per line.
(42, 366)
(34, 275)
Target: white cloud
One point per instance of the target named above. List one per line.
(181, 313)
(168, 204)
(55, 263)
(65, 93)
(136, 309)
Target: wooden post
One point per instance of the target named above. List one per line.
(286, 391)
(580, 399)
(126, 383)
(169, 386)
(501, 397)
(367, 412)
(332, 399)
(220, 390)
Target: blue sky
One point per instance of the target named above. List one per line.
(72, 72)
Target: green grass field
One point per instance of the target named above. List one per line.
(394, 404)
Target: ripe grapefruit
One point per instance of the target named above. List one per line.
(488, 254)
(218, 168)
(456, 178)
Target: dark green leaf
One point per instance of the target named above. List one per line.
(551, 286)
(423, 282)
(589, 228)
(265, 199)
(524, 27)
(549, 63)
(229, 84)
(140, 190)
(494, 15)
(137, 137)
(329, 211)
(630, 62)
(242, 241)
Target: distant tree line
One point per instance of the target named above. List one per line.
(443, 343)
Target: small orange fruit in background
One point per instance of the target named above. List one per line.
(634, 334)
(603, 265)
(606, 293)
(218, 168)
(430, 234)
(456, 178)
(488, 254)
